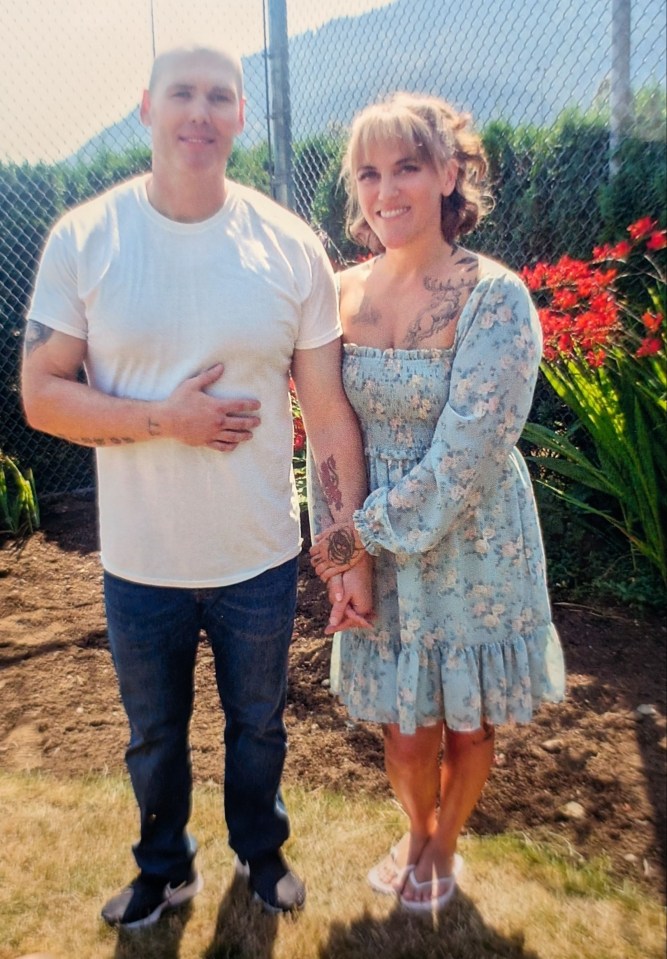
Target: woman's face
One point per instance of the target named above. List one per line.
(400, 194)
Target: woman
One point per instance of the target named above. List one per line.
(442, 348)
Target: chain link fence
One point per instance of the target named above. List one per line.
(565, 94)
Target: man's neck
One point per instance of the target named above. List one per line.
(186, 199)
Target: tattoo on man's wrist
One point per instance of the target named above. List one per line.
(341, 546)
(154, 428)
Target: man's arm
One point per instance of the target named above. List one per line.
(56, 402)
(335, 444)
(332, 428)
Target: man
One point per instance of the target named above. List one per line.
(189, 299)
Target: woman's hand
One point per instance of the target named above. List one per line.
(336, 550)
(351, 598)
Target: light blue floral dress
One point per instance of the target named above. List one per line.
(464, 629)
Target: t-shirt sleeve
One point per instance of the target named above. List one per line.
(55, 300)
(320, 322)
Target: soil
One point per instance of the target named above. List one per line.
(603, 749)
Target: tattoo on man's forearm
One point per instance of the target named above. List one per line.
(154, 428)
(329, 480)
(96, 441)
(340, 548)
(35, 334)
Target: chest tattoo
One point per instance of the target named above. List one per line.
(368, 315)
(445, 304)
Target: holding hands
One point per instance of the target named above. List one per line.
(341, 561)
(351, 598)
(336, 550)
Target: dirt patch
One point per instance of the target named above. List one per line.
(61, 711)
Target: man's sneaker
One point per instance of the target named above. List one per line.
(273, 883)
(142, 902)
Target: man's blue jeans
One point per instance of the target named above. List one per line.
(154, 634)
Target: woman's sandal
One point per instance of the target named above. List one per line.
(392, 886)
(445, 886)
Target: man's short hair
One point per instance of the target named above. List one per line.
(223, 53)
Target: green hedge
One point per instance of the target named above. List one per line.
(552, 190)
(551, 185)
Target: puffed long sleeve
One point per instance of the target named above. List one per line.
(494, 370)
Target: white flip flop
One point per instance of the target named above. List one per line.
(380, 885)
(436, 902)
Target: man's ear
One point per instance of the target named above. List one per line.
(145, 108)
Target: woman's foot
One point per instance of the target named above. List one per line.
(431, 883)
(389, 874)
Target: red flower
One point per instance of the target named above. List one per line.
(564, 343)
(595, 281)
(649, 347)
(596, 358)
(565, 299)
(642, 228)
(652, 321)
(299, 442)
(657, 240)
(534, 279)
(621, 251)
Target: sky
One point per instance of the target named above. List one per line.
(71, 67)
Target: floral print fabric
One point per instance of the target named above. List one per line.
(463, 629)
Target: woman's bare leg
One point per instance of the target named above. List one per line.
(411, 762)
(465, 770)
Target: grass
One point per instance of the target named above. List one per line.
(65, 848)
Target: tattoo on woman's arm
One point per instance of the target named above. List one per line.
(35, 334)
(329, 480)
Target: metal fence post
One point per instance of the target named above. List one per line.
(281, 181)
(621, 92)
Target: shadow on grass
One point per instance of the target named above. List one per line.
(459, 932)
(242, 928)
(242, 931)
(159, 942)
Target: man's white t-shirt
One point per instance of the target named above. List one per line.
(158, 301)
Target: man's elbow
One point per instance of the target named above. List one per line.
(35, 408)
(32, 416)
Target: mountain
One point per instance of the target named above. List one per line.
(512, 59)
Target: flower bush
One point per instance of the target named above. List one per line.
(299, 447)
(605, 352)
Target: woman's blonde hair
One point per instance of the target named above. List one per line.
(438, 133)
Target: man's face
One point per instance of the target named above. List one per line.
(195, 110)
